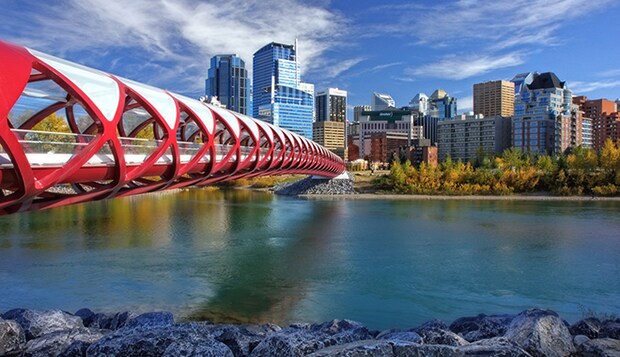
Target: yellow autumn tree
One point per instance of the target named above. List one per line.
(49, 141)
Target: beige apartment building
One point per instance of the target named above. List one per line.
(494, 98)
(330, 134)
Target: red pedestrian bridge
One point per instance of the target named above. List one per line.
(71, 134)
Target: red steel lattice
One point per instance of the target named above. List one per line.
(102, 155)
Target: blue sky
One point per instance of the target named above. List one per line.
(395, 47)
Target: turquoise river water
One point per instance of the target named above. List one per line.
(246, 256)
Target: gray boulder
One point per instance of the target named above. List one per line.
(481, 327)
(242, 339)
(589, 327)
(407, 349)
(435, 332)
(366, 348)
(302, 339)
(37, 323)
(87, 316)
(109, 321)
(611, 329)
(541, 333)
(12, 336)
(197, 347)
(76, 349)
(337, 332)
(601, 347)
(497, 346)
(148, 341)
(397, 335)
(432, 324)
(288, 343)
(150, 319)
(55, 343)
(580, 340)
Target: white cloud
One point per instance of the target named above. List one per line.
(186, 33)
(584, 87)
(336, 68)
(503, 23)
(465, 104)
(461, 67)
(384, 66)
(610, 73)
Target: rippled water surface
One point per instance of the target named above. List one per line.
(251, 256)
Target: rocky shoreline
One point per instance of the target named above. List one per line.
(534, 332)
(318, 186)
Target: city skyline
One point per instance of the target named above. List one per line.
(398, 48)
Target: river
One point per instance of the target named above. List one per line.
(248, 256)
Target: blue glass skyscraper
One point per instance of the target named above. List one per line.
(277, 95)
(228, 81)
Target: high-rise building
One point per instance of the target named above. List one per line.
(228, 81)
(419, 103)
(586, 132)
(545, 118)
(331, 135)
(392, 123)
(278, 95)
(604, 119)
(429, 126)
(331, 105)
(522, 80)
(358, 110)
(381, 101)
(329, 128)
(441, 105)
(464, 136)
(494, 98)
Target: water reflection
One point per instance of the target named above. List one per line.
(269, 277)
(247, 256)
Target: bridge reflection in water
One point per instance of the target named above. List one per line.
(226, 256)
(101, 136)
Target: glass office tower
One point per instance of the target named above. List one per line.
(228, 81)
(277, 94)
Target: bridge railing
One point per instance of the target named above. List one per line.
(53, 149)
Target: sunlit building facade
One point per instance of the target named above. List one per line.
(604, 115)
(279, 98)
(545, 118)
(465, 136)
(441, 105)
(380, 101)
(494, 98)
(228, 81)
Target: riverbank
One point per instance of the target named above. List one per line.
(533, 332)
(407, 197)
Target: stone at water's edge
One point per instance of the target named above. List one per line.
(318, 186)
(154, 341)
(531, 333)
(367, 348)
(397, 335)
(36, 323)
(435, 332)
(603, 347)
(56, 343)
(12, 336)
(541, 333)
(589, 327)
(496, 346)
(611, 329)
(481, 327)
(112, 321)
(301, 339)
